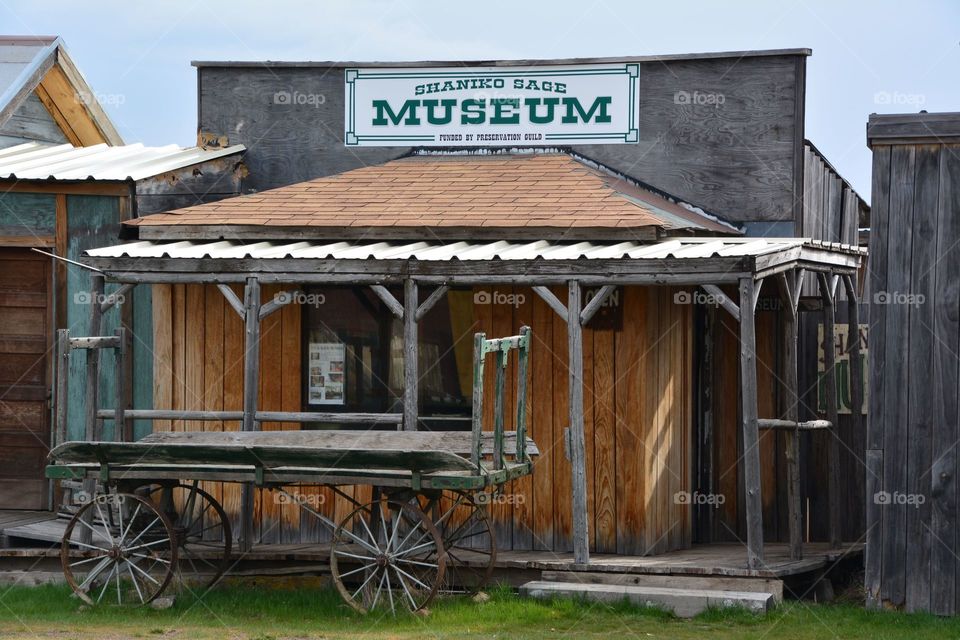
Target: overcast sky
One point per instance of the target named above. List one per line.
(868, 57)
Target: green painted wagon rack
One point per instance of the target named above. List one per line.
(424, 530)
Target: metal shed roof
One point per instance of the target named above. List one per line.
(34, 161)
(675, 248)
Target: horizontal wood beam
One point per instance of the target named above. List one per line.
(809, 425)
(387, 298)
(98, 188)
(261, 416)
(96, 342)
(28, 241)
(552, 301)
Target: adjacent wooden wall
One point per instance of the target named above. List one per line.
(913, 543)
(638, 399)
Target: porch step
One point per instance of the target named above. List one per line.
(773, 586)
(684, 603)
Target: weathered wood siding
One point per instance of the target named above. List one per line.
(638, 399)
(739, 156)
(913, 543)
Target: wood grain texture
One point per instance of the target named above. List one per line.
(541, 422)
(896, 350)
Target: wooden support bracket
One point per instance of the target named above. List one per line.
(596, 302)
(392, 303)
(552, 301)
(116, 298)
(723, 300)
(232, 299)
(431, 301)
(280, 300)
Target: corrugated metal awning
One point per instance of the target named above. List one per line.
(33, 161)
(677, 248)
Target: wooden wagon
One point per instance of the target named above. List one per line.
(424, 530)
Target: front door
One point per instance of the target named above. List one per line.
(24, 385)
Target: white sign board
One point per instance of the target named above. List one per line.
(326, 370)
(492, 106)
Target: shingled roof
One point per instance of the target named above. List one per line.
(557, 195)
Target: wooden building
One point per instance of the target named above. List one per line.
(63, 200)
(913, 542)
(427, 249)
(723, 131)
(671, 278)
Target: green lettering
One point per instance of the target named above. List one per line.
(384, 111)
(549, 103)
(599, 107)
(503, 111)
(473, 111)
(447, 116)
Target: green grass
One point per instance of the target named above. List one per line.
(279, 614)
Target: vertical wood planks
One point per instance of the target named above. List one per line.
(541, 422)
(945, 573)
(162, 352)
(921, 396)
(213, 354)
(233, 345)
(523, 506)
(629, 488)
(562, 487)
(894, 410)
(270, 398)
(291, 369)
(877, 275)
(605, 475)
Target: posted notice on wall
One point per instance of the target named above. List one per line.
(326, 370)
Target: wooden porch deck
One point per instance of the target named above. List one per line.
(44, 529)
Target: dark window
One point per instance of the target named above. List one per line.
(353, 355)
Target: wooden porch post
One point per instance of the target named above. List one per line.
(93, 388)
(581, 541)
(93, 357)
(251, 382)
(853, 349)
(751, 435)
(411, 395)
(790, 409)
(827, 293)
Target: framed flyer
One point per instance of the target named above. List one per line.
(326, 371)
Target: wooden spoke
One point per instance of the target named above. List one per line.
(138, 563)
(372, 543)
(467, 533)
(202, 531)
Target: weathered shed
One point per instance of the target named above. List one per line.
(63, 200)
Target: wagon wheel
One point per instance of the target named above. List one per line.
(131, 555)
(202, 531)
(468, 540)
(387, 554)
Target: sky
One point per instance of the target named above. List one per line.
(868, 57)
